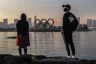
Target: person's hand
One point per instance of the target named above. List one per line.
(62, 30)
(20, 36)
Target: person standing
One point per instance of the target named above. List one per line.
(70, 24)
(22, 27)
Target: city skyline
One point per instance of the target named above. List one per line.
(46, 9)
(5, 25)
(91, 22)
(12, 26)
(30, 19)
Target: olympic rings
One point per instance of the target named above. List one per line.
(52, 21)
(43, 23)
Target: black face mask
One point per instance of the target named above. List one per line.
(65, 9)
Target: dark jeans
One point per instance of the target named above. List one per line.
(69, 43)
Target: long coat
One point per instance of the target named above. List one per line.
(22, 27)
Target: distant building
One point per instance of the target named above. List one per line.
(5, 24)
(15, 22)
(94, 23)
(1, 25)
(30, 23)
(89, 22)
(11, 26)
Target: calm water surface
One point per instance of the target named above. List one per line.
(51, 44)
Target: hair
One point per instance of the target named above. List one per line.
(23, 16)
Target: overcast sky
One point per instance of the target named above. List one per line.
(47, 9)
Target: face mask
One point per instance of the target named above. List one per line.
(65, 9)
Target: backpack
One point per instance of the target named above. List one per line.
(73, 22)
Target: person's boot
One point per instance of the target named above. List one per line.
(25, 51)
(20, 51)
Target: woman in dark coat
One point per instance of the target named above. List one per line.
(22, 27)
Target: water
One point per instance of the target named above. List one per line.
(51, 44)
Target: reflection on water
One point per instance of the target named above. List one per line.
(51, 44)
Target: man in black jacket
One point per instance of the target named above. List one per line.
(70, 24)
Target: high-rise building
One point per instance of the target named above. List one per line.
(15, 22)
(30, 23)
(1, 25)
(94, 23)
(89, 22)
(5, 24)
